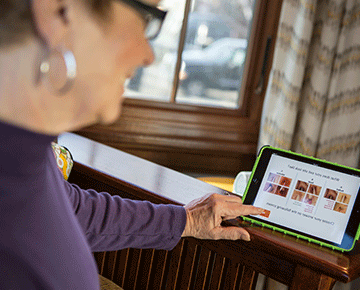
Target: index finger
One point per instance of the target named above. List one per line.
(232, 211)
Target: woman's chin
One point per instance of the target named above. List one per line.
(109, 116)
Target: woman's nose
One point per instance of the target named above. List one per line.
(149, 55)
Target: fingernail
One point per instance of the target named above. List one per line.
(245, 238)
(260, 210)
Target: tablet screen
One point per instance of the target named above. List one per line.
(307, 198)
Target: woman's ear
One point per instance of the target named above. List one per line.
(51, 20)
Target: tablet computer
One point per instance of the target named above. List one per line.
(306, 197)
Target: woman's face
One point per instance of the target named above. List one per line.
(107, 54)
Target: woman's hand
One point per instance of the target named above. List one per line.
(204, 217)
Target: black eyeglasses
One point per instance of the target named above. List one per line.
(154, 17)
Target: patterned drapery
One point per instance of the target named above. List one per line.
(312, 103)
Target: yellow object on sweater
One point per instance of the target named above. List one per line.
(63, 158)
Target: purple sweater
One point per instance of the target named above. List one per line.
(48, 227)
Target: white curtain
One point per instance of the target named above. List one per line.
(312, 103)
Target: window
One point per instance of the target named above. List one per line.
(210, 34)
(191, 129)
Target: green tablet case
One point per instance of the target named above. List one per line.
(286, 231)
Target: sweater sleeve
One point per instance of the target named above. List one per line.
(113, 223)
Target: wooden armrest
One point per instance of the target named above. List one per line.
(198, 263)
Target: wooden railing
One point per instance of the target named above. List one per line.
(198, 264)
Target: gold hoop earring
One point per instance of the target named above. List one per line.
(69, 62)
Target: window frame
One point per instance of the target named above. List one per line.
(193, 138)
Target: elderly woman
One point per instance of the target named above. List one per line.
(63, 65)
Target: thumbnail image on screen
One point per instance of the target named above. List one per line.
(278, 185)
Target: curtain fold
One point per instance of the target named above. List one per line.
(312, 103)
